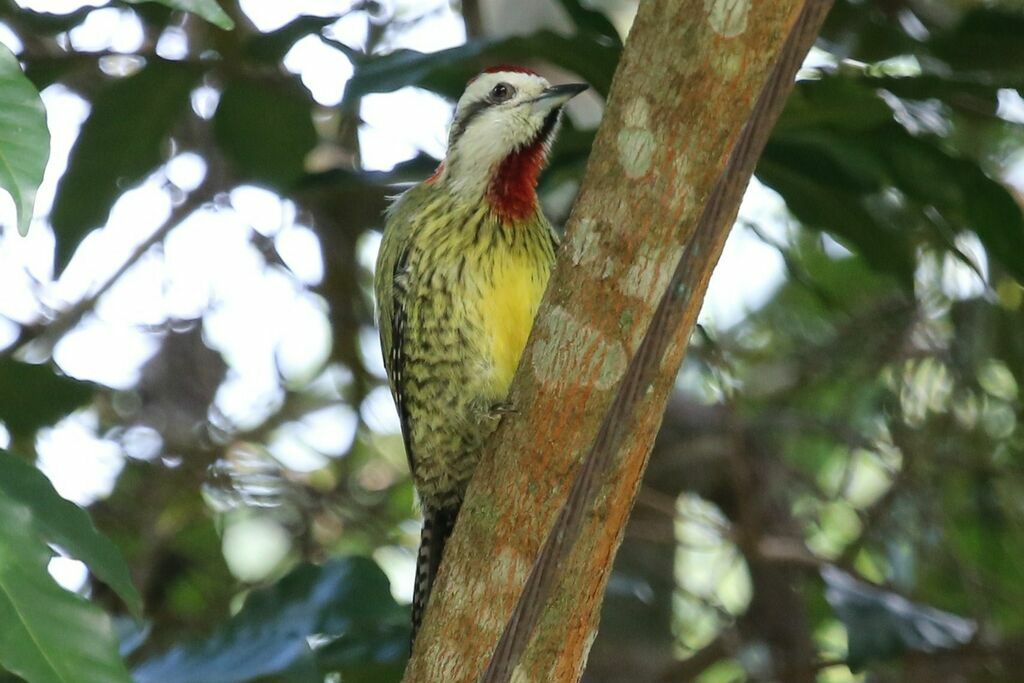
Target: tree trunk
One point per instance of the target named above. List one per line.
(677, 119)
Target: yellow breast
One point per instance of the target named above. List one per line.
(508, 304)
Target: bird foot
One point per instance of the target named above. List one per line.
(503, 408)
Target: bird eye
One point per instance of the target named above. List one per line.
(502, 92)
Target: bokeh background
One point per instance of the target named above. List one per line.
(187, 343)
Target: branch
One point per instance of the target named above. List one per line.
(669, 325)
(693, 666)
(473, 19)
(656, 165)
(48, 334)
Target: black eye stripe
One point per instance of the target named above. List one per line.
(473, 110)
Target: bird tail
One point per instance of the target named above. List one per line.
(437, 527)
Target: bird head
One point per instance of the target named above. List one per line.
(504, 124)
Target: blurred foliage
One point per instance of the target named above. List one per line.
(66, 525)
(347, 599)
(50, 634)
(24, 140)
(882, 625)
(33, 396)
(207, 9)
(114, 151)
(837, 485)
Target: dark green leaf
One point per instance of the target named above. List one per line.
(358, 200)
(843, 213)
(960, 91)
(345, 600)
(845, 284)
(47, 634)
(120, 143)
(33, 396)
(447, 71)
(374, 653)
(273, 46)
(591, 20)
(266, 130)
(996, 218)
(984, 46)
(45, 23)
(371, 182)
(838, 102)
(923, 171)
(354, 55)
(881, 625)
(962, 193)
(24, 137)
(985, 39)
(207, 9)
(865, 32)
(45, 72)
(840, 161)
(63, 523)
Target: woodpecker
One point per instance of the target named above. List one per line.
(462, 267)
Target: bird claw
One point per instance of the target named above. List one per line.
(503, 408)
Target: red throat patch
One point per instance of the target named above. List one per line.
(513, 189)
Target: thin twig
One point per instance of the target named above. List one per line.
(45, 336)
(700, 661)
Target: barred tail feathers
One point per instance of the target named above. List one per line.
(437, 528)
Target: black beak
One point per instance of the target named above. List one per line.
(556, 96)
(564, 92)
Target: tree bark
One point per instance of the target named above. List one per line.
(690, 77)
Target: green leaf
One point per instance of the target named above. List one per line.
(959, 91)
(839, 161)
(447, 71)
(120, 143)
(843, 213)
(881, 625)
(839, 102)
(24, 137)
(847, 284)
(592, 20)
(33, 396)
(47, 634)
(864, 33)
(372, 654)
(347, 600)
(961, 192)
(987, 38)
(266, 130)
(994, 215)
(63, 523)
(44, 23)
(43, 71)
(207, 9)
(274, 45)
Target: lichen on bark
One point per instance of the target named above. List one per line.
(634, 216)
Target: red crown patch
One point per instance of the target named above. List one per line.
(499, 68)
